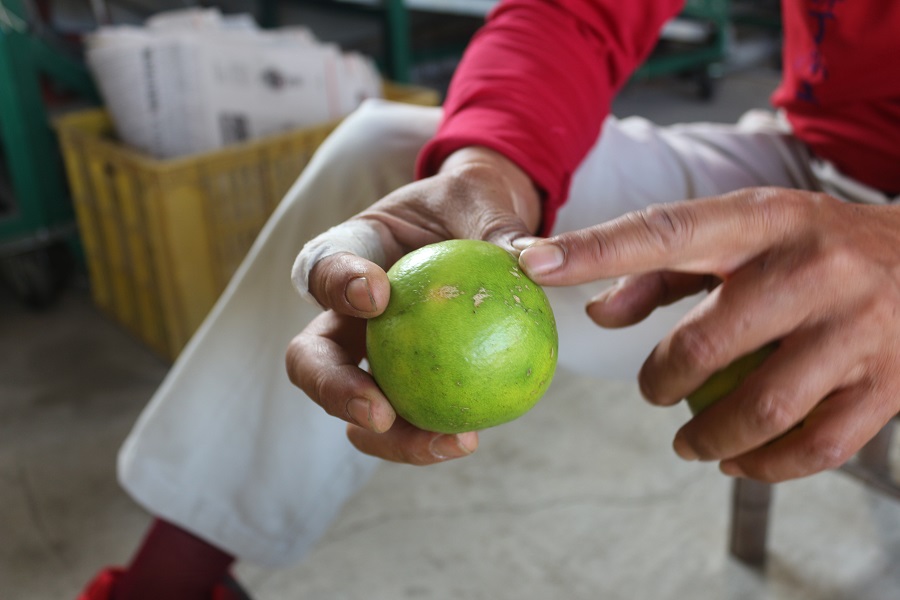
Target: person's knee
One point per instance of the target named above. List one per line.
(386, 133)
(371, 153)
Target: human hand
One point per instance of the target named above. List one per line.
(478, 194)
(819, 276)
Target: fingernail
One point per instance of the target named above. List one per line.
(524, 242)
(682, 448)
(359, 295)
(358, 411)
(541, 258)
(447, 446)
(731, 469)
(606, 294)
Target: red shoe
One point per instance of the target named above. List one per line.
(101, 588)
(230, 589)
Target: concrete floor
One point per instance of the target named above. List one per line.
(580, 499)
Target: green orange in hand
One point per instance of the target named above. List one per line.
(467, 341)
(721, 383)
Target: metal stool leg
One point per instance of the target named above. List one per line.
(751, 499)
(871, 464)
(874, 455)
(750, 503)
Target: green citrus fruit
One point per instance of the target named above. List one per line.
(721, 383)
(467, 340)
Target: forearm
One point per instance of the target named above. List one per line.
(537, 81)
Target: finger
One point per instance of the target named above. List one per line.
(405, 443)
(352, 252)
(634, 297)
(350, 285)
(760, 303)
(497, 225)
(771, 401)
(318, 362)
(711, 236)
(836, 430)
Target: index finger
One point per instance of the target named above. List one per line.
(711, 236)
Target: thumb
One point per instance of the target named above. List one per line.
(508, 220)
(508, 231)
(343, 269)
(490, 198)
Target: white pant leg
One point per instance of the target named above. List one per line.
(227, 448)
(230, 450)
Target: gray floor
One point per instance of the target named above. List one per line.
(580, 499)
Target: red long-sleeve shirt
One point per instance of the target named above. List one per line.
(538, 79)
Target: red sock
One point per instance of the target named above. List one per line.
(173, 564)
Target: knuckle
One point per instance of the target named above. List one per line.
(696, 351)
(330, 277)
(292, 359)
(318, 279)
(410, 447)
(418, 460)
(825, 453)
(418, 457)
(778, 203)
(817, 203)
(333, 283)
(837, 259)
(326, 390)
(704, 447)
(770, 412)
(765, 472)
(666, 226)
(319, 389)
(457, 184)
(595, 245)
(468, 175)
(648, 388)
(777, 208)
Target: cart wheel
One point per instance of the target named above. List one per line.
(37, 277)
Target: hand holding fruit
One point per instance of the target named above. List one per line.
(820, 276)
(477, 195)
(467, 341)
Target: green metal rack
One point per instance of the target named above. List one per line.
(392, 17)
(702, 57)
(36, 216)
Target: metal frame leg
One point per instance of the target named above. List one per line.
(750, 502)
(874, 455)
(871, 465)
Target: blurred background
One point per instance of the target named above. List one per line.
(118, 230)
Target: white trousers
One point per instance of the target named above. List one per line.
(230, 450)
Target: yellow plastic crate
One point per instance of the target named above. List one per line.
(163, 237)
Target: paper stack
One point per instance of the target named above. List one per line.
(195, 80)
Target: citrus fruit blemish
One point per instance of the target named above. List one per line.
(467, 340)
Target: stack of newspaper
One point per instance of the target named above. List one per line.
(196, 80)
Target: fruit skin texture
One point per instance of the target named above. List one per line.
(467, 341)
(721, 383)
